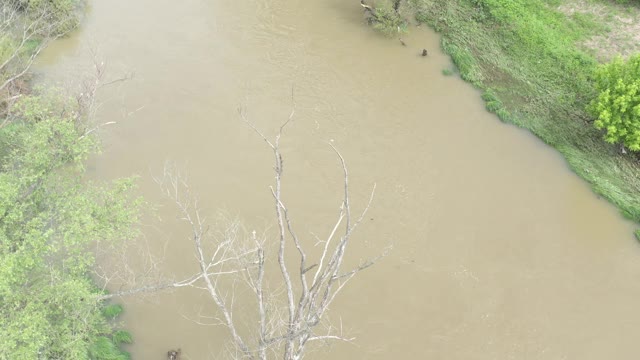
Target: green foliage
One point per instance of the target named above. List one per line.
(50, 217)
(105, 349)
(112, 311)
(27, 26)
(465, 62)
(447, 72)
(493, 104)
(8, 49)
(617, 105)
(122, 337)
(387, 20)
(62, 14)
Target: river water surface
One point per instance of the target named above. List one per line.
(499, 251)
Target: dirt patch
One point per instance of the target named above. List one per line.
(622, 21)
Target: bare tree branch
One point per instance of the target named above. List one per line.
(29, 34)
(307, 308)
(292, 308)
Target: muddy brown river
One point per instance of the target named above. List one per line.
(499, 251)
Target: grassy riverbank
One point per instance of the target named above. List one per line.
(534, 59)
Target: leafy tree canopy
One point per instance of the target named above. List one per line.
(50, 218)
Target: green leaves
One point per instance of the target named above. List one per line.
(50, 216)
(617, 106)
(104, 349)
(62, 13)
(387, 20)
(122, 337)
(49, 219)
(112, 311)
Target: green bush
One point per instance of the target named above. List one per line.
(447, 72)
(61, 15)
(112, 311)
(50, 219)
(386, 20)
(105, 349)
(617, 105)
(464, 61)
(122, 337)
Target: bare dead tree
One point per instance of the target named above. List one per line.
(230, 257)
(319, 281)
(87, 104)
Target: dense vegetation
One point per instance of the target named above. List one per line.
(50, 217)
(49, 220)
(529, 59)
(617, 106)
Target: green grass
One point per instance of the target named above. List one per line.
(526, 57)
(447, 72)
(386, 20)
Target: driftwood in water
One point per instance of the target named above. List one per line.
(173, 354)
(366, 7)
